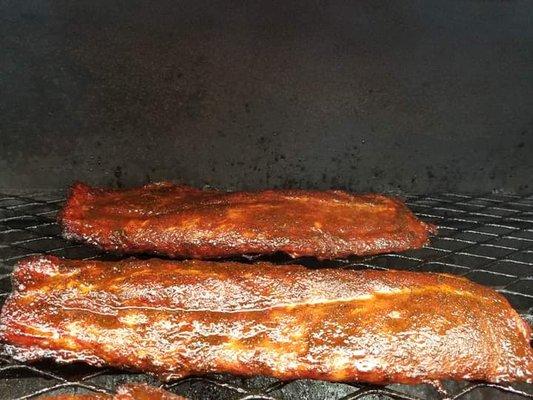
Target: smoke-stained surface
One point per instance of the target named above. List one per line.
(406, 96)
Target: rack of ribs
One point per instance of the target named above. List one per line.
(174, 319)
(172, 220)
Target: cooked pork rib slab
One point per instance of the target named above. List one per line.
(175, 221)
(173, 319)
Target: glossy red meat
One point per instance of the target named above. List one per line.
(182, 221)
(174, 319)
(124, 392)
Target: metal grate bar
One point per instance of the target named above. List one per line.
(487, 238)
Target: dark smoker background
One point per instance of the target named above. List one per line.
(406, 96)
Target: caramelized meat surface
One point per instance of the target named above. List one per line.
(144, 392)
(124, 392)
(174, 319)
(182, 221)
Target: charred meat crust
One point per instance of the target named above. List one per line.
(174, 319)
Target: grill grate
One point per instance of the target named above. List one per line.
(488, 239)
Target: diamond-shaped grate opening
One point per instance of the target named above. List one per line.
(488, 239)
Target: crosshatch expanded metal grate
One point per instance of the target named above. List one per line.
(488, 239)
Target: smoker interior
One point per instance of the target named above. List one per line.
(418, 97)
(488, 239)
(369, 96)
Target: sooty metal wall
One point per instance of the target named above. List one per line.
(410, 95)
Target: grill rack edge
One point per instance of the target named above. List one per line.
(487, 238)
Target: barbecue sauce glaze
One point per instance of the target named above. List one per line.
(173, 319)
(175, 221)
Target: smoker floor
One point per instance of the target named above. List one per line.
(488, 239)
